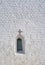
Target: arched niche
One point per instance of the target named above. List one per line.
(20, 44)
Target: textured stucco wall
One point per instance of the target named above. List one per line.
(29, 16)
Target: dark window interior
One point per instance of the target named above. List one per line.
(19, 45)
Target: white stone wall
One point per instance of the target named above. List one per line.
(29, 16)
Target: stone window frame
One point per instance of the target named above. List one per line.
(23, 43)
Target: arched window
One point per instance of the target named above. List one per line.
(19, 45)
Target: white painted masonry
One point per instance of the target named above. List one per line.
(29, 16)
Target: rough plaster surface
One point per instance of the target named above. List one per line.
(29, 16)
